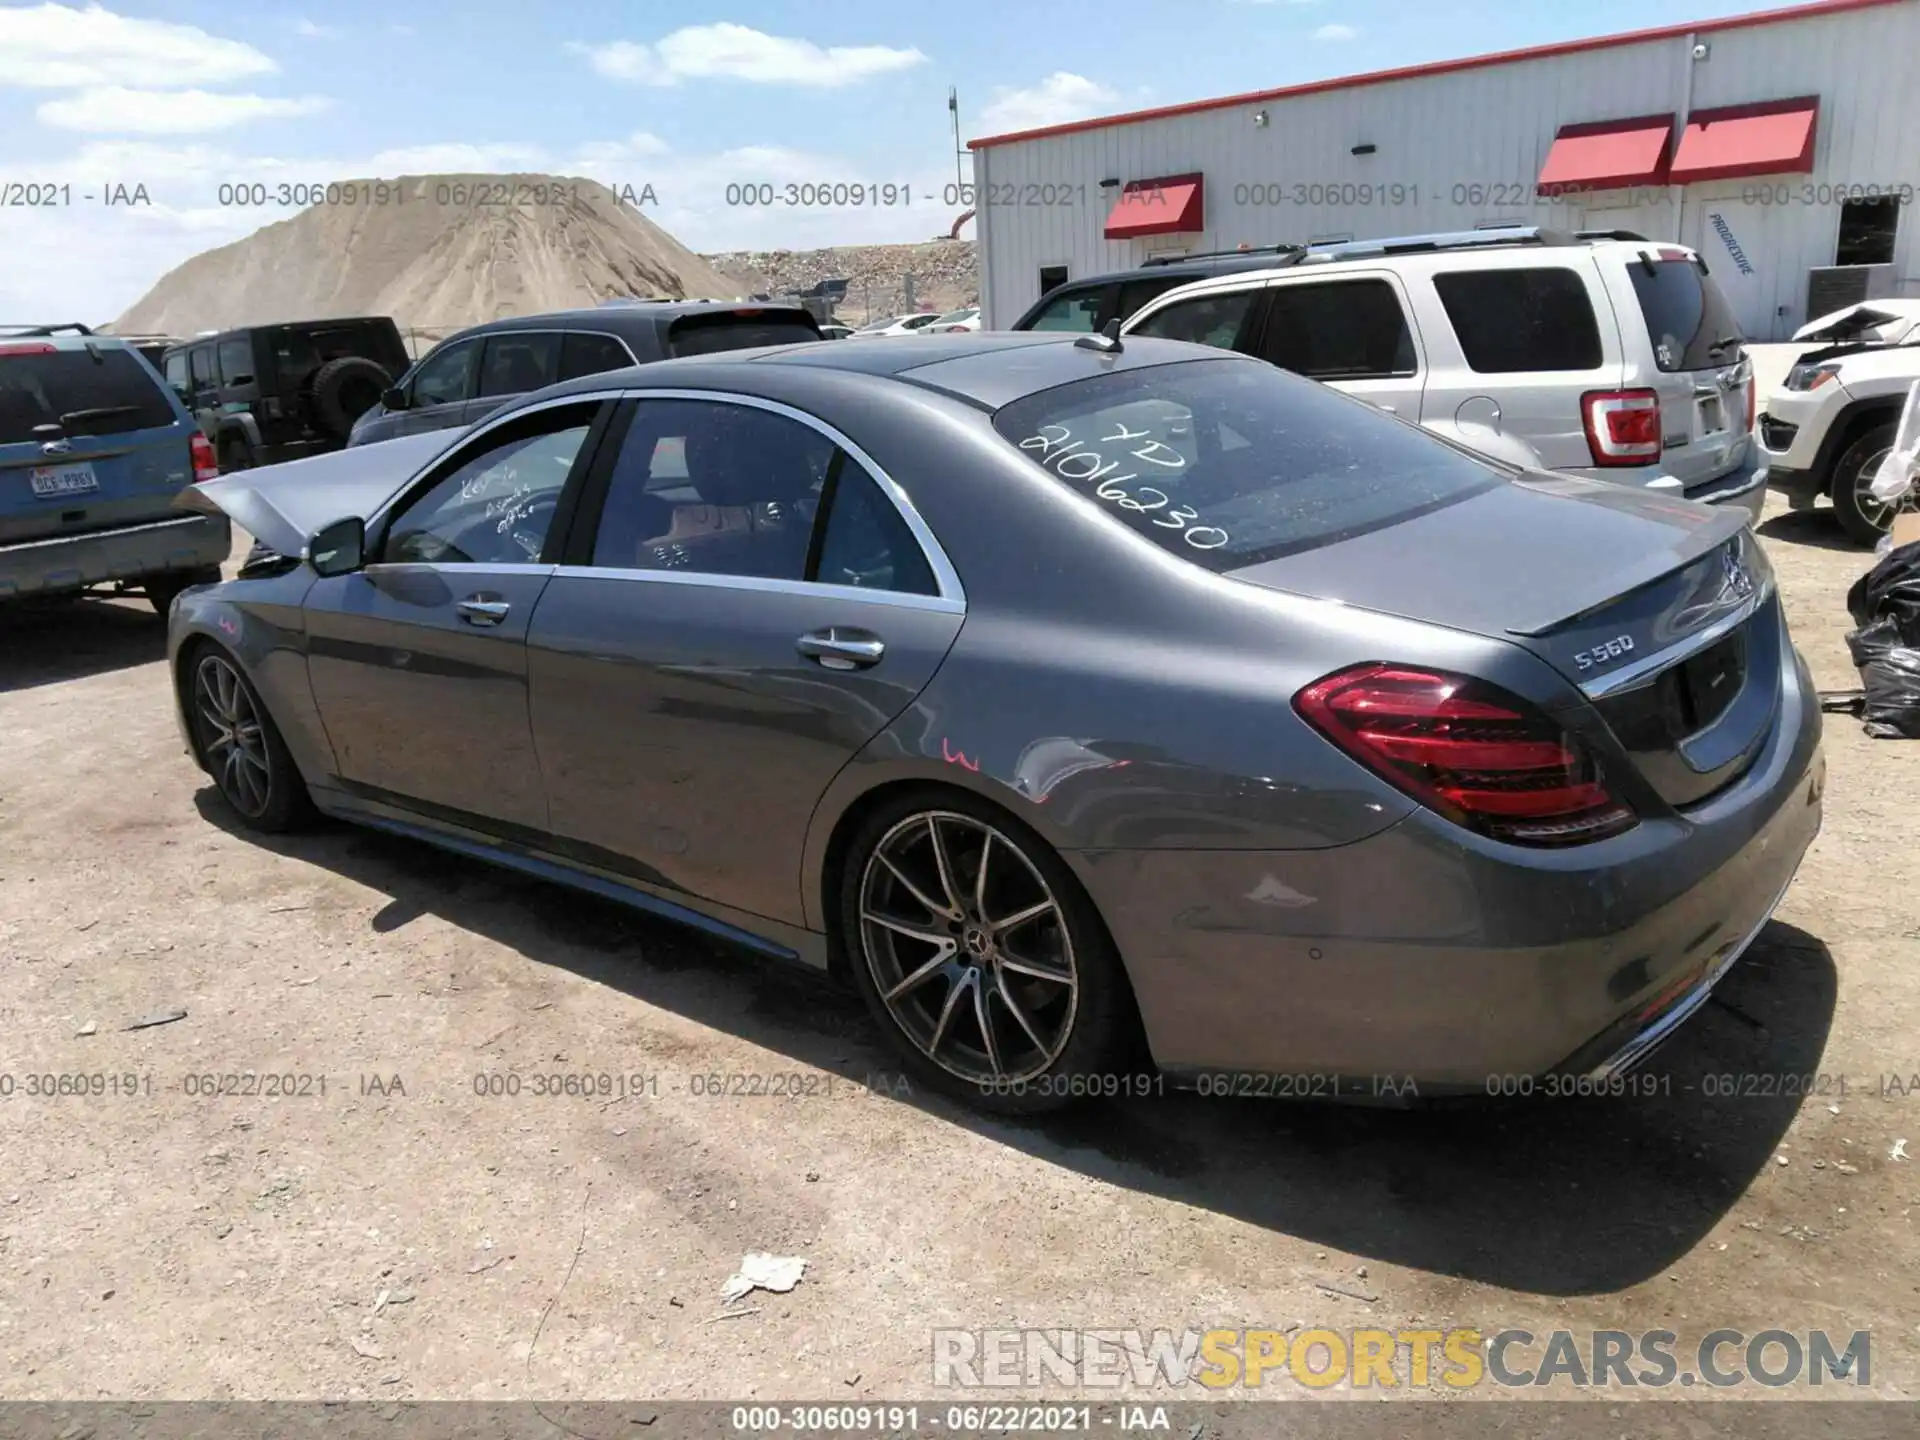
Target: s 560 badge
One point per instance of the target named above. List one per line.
(1601, 654)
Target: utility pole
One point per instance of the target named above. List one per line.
(953, 107)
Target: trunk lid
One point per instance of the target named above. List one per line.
(1701, 371)
(88, 440)
(1659, 610)
(282, 505)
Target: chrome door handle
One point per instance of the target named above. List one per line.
(851, 651)
(483, 612)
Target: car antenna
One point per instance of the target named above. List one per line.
(1107, 342)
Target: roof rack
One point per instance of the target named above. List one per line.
(1443, 240)
(1283, 249)
(73, 325)
(1611, 235)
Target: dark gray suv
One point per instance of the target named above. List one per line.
(475, 372)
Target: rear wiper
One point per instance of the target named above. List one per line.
(98, 412)
(1727, 344)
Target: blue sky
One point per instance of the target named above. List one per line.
(185, 95)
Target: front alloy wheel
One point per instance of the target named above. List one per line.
(240, 747)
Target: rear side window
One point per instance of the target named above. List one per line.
(1515, 320)
(177, 370)
(706, 334)
(516, 362)
(1228, 464)
(1689, 322)
(236, 362)
(1079, 311)
(99, 392)
(1136, 293)
(584, 353)
(1208, 320)
(1344, 330)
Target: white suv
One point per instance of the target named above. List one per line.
(1603, 355)
(1828, 428)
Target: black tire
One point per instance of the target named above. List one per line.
(235, 453)
(160, 589)
(1863, 518)
(259, 781)
(1088, 1024)
(344, 390)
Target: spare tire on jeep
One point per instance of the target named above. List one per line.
(345, 389)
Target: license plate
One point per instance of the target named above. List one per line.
(1713, 419)
(63, 479)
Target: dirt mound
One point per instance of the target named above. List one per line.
(436, 252)
(882, 279)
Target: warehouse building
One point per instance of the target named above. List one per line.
(1784, 146)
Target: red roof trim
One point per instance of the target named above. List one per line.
(1650, 168)
(1694, 160)
(1175, 205)
(1442, 67)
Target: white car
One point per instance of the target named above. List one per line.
(1826, 430)
(954, 322)
(1885, 321)
(900, 324)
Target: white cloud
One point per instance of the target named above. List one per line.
(738, 52)
(58, 47)
(636, 146)
(1336, 32)
(453, 158)
(1059, 98)
(306, 27)
(117, 110)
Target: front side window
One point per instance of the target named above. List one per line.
(1208, 320)
(1521, 320)
(446, 375)
(517, 362)
(495, 506)
(202, 366)
(1339, 330)
(1227, 463)
(177, 372)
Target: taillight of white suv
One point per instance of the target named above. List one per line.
(1623, 426)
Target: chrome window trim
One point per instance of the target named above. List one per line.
(944, 575)
(1641, 670)
(800, 589)
(562, 331)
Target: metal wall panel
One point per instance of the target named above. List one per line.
(1463, 148)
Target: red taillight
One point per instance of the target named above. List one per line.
(1481, 757)
(1623, 426)
(27, 349)
(205, 466)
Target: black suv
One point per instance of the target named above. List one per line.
(1092, 304)
(475, 372)
(269, 393)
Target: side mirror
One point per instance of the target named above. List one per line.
(339, 548)
(394, 398)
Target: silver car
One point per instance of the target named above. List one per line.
(1592, 355)
(1089, 705)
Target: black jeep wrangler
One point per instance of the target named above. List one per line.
(269, 393)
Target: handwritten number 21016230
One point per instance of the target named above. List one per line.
(1059, 450)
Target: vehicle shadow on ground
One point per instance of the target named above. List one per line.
(46, 641)
(1548, 1196)
(1817, 529)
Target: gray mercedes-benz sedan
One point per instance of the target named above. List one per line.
(1063, 695)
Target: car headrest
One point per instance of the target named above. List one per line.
(750, 457)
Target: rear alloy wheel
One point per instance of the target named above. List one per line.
(241, 749)
(1864, 518)
(982, 959)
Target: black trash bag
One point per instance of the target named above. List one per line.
(1890, 674)
(1890, 591)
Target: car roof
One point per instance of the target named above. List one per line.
(646, 319)
(67, 342)
(987, 369)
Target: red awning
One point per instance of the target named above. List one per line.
(1168, 205)
(1774, 137)
(1607, 154)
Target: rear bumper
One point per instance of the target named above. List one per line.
(130, 552)
(1744, 487)
(1425, 953)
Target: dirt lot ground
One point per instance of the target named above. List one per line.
(402, 1236)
